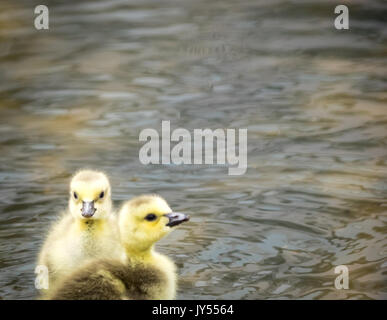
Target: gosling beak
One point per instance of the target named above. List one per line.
(88, 209)
(176, 218)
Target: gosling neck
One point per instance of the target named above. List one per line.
(139, 255)
(88, 224)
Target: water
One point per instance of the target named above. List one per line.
(312, 98)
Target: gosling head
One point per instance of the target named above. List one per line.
(146, 219)
(90, 195)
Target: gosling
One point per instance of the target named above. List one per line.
(87, 230)
(143, 274)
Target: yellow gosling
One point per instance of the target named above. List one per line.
(143, 273)
(87, 230)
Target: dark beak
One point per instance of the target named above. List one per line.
(176, 218)
(88, 209)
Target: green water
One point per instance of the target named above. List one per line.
(313, 99)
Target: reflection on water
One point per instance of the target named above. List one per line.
(313, 100)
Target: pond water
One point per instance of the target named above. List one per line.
(313, 99)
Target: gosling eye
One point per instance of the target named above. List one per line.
(75, 195)
(101, 195)
(150, 217)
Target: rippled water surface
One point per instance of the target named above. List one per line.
(312, 98)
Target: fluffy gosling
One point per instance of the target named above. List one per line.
(88, 229)
(142, 273)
